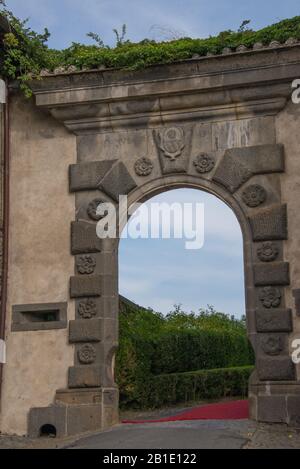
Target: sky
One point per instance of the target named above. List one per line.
(71, 20)
(161, 273)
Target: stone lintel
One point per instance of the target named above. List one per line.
(248, 84)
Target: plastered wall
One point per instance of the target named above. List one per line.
(39, 259)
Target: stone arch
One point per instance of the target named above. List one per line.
(247, 180)
(208, 124)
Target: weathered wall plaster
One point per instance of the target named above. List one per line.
(40, 261)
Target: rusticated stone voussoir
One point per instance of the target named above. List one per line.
(240, 164)
(87, 176)
(117, 182)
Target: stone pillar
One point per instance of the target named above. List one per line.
(91, 400)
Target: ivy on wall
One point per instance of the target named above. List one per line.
(24, 53)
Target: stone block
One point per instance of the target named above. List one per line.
(110, 417)
(85, 286)
(110, 397)
(240, 164)
(271, 409)
(87, 176)
(243, 132)
(277, 320)
(84, 238)
(232, 173)
(39, 417)
(83, 419)
(111, 329)
(78, 396)
(117, 182)
(275, 273)
(293, 410)
(173, 147)
(85, 330)
(275, 369)
(270, 224)
(85, 377)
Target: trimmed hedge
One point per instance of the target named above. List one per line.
(194, 386)
(152, 345)
(189, 350)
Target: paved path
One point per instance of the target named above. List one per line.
(210, 434)
(173, 435)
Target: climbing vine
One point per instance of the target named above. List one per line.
(24, 53)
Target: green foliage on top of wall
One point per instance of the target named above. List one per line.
(152, 345)
(25, 53)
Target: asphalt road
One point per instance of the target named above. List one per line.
(212, 434)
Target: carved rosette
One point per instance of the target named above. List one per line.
(92, 209)
(87, 309)
(272, 345)
(172, 142)
(86, 265)
(254, 195)
(143, 167)
(87, 354)
(270, 297)
(268, 252)
(204, 163)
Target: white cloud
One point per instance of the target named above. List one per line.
(219, 219)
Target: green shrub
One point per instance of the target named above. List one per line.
(151, 345)
(188, 350)
(176, 388)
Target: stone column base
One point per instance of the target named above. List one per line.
(76, 412)
(275, 402)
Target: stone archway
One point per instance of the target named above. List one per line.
(207, 124)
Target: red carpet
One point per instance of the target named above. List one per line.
(235, 410)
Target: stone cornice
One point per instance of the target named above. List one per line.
(237, 85)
